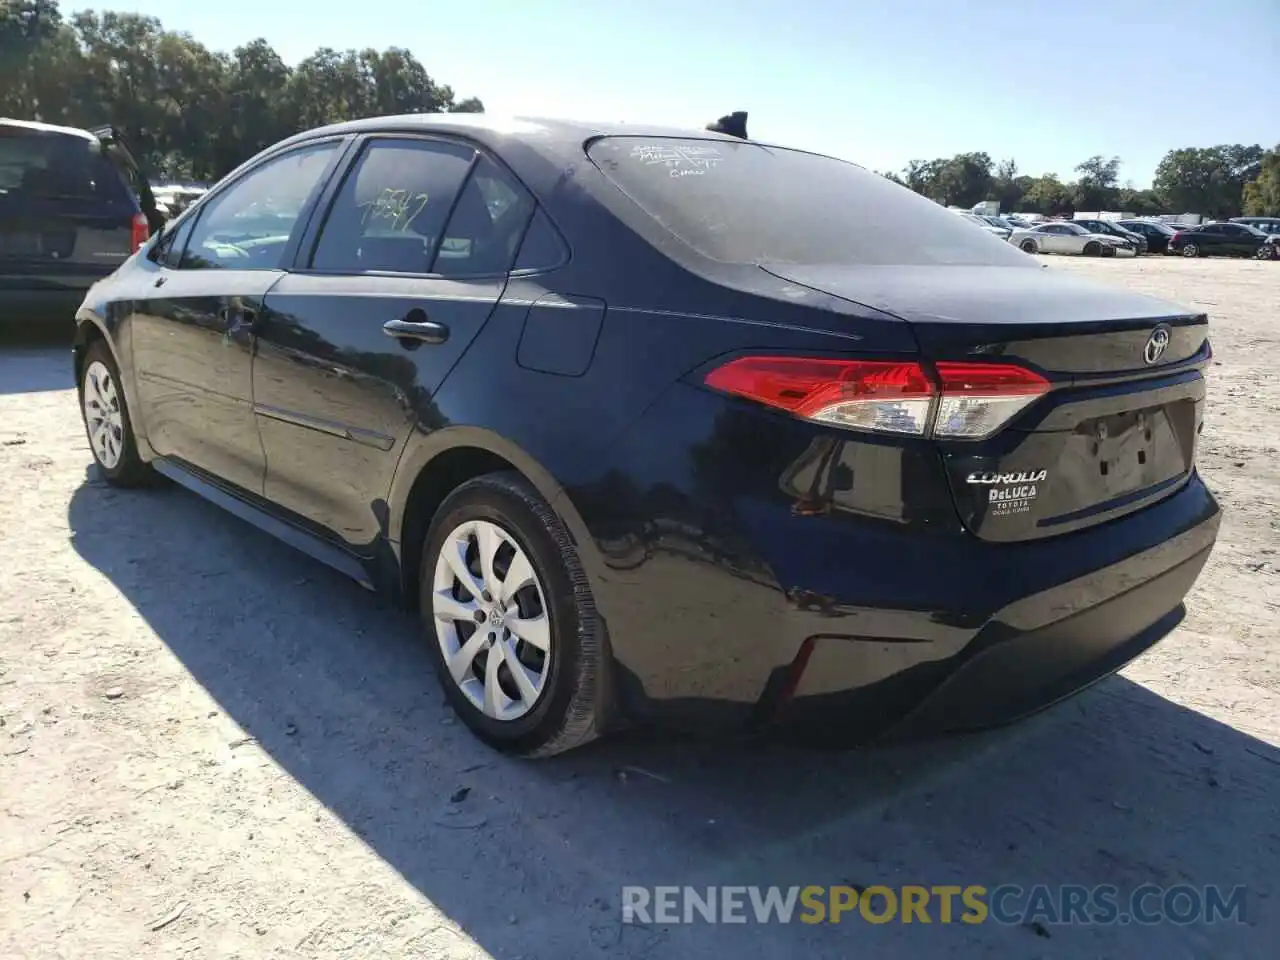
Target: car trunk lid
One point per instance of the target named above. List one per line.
(1116, 431)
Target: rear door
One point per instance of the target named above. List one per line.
(392, 284)
(1241, 240)
(66, 214)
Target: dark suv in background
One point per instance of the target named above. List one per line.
(72, 209)
(1157, 233)
(1223, 240)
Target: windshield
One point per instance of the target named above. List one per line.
(56, 167)
(748, 203)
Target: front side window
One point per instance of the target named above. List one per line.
(247, 226)
(390, 214)
(169, 250)
(743, 202)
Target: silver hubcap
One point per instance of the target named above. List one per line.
(491, 620)
(1189, 250)
(102, 414)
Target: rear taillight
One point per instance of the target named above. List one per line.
(888, 397)
(959, 401)
(977, 399)
(140, 231)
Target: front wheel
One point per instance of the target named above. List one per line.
(516, 641)
(1027, 246)
(106, 420)
(1190, 250)
(1093, 249)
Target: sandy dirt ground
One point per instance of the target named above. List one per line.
(210, 746)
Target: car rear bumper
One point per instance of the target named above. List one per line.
(1015, 665)
(28, 299)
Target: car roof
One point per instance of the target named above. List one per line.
(495, 131)
(37, 127)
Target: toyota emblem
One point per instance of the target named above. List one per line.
(1157, 343)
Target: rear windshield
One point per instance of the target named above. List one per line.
(52, 166)
(748, 203)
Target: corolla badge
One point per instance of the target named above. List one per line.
(1157, 343)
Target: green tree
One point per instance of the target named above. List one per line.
(1262, 194)
(187, 110)
(1141, 203)
(1096, 189)
(1007, 186)
(1207, 180)
(1048, 195)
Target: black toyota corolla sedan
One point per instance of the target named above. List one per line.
(666, 427)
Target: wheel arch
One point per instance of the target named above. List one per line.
(434, 465)
(92, 327)
(89, 329)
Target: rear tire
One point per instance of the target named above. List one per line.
(1093, 249)
(1190, 250)
(500, 578)
(106, 420)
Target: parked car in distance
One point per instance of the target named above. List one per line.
(1139, 240)
(991, 228)
(668, 448)
(1002, 223)
(1223, 240)
(1157, 233)
(1066, 236)
(69, 216)
(1268, 225)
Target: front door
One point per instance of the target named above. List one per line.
(358, 338)
(192, 332)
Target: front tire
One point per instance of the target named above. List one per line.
(106, 420)
(1028, 246)
(515, 638)
(1093, 249)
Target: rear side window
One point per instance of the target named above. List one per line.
(486, 225)
(542, 247)
(390, 213)
(37, 166)
(742, 202)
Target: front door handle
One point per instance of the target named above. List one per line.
(415, 326)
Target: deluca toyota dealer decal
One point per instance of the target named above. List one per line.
(1009, 493)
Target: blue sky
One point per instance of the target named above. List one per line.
(879, 83)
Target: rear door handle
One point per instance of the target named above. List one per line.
(415, 326)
